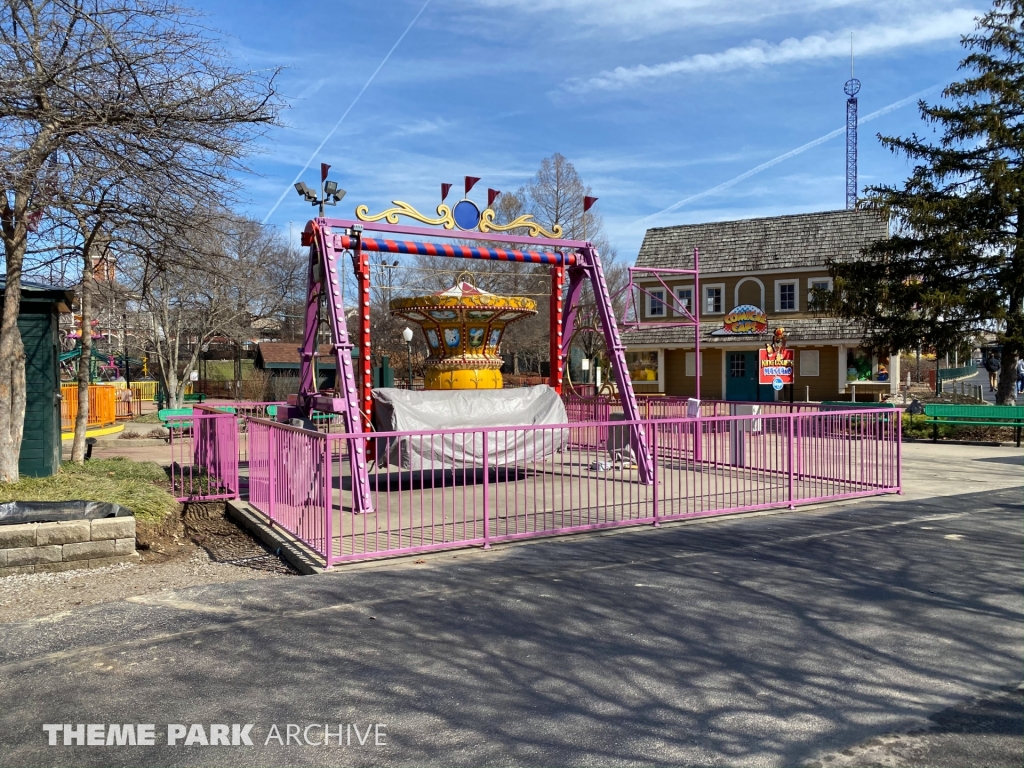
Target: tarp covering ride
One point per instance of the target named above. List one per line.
(433, 411)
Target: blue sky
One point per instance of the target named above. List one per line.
(654, 101)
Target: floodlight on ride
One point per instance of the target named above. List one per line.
(306, 192)
(333, 191)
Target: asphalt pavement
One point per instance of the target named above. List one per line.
(799, 638)
(979, 379)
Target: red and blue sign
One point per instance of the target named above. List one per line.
(775, 367)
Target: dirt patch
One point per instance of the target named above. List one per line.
(225, 542)
(197, 545)
(153, 434)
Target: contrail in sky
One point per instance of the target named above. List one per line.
(792, 153)
(345, 114)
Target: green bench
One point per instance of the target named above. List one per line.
(197, 397)
(169, 418)
(974, 415)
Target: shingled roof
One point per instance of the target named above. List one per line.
(797, 330)
(285, 354)
(777, 242)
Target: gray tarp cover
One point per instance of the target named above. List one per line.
(402, 410)
(13, 512)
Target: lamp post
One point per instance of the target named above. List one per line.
(407, 335)
(124, 350)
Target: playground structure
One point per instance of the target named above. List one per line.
(316, 468)
(101, 367)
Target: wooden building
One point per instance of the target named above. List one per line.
(281, 360)
(41, 306)
(772, 264)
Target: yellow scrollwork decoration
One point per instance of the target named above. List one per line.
(404, 209)
(525, 221)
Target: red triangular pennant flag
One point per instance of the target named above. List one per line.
(588, 203)
(470, 181)
(324, 168)
(492, 195)
(445, 189)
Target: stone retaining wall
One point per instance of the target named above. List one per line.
(48, 547)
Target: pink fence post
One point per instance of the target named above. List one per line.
(799, 448)
(329, 502)
(652, 440)
(789, 455)
(698, 438)
(487, 501)
(271, 473)
(899, 452)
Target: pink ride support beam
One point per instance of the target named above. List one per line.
(459, 251)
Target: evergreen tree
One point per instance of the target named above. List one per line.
(954, 263)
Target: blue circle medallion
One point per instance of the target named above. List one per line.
(466, 215)
(777, 384)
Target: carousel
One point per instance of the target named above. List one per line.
(463, 327)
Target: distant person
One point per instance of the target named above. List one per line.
(1020, 375)
(992, 366)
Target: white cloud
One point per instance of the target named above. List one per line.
(868, 40)
(423, 126)
(632, 17)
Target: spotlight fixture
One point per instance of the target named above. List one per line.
(332, 193)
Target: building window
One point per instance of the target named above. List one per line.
(685, 298)
(644, 367)
(713, 304)
(809, 365)
(785, 296)
(820, 284)
(691, 359)
(738, 366)
(656, 302)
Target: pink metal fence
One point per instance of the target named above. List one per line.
(290, 480)
(458, 488)
(204, 455)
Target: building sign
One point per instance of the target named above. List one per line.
(744, 319)
(775, 362)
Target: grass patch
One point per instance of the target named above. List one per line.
(142, 486)
(149, 418)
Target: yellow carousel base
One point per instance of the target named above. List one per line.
(113, 429)
(463, 378)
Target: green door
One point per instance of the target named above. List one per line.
(741, 379)
(40, 446)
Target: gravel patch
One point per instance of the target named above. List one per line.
(29, 595)
(207, 549)
(985, 731)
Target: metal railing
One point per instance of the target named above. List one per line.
(475, 487)
(103, 406)
(942, 375)
(204, 456)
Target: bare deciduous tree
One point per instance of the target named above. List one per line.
(213, 280)
(135, 81)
